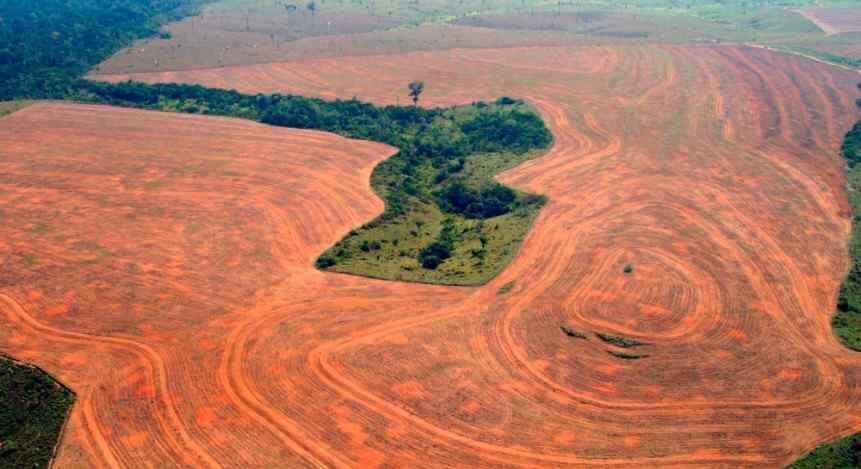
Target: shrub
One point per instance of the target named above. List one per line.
(434, 254)
(489, 202)
(325, 261)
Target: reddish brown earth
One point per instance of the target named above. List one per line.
(834, 20)
(713, 171)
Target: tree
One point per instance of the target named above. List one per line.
(416, 89)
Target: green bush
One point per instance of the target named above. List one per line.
(844, 453)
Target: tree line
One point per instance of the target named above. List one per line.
(45, 44)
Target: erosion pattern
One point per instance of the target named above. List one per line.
(712, 171)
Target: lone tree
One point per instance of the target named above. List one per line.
(416, 89)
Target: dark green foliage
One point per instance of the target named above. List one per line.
(844, 453)
(629, 268)
(33, 408)
(572, 333)
(851, 149)
(511, 129)
(325, 261)
(506, 288)
(368, 246)
(45, 44)
(483, 203)
(626, 356)
(416, 89)
(506, 101)
(440, 249)
(619, 341)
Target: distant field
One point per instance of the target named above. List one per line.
(834, 20)
(247, 32)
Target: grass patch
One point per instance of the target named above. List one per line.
(507, 287)
(840, 454)
(33, 408)
(8, 107)
(619, 341)
(821, 55)
(447, 221)
(567, 330)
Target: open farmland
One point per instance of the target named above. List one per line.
(161, 265)
(834, 20)
(248, 32)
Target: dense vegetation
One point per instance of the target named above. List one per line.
(46, 43)
(33, 408)
(844, 453)
(847, 320)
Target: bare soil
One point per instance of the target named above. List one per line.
(162, 266)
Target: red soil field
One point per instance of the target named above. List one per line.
(834, 20)
(713, 171)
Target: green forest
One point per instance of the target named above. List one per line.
(46, 44)
(33, 408)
